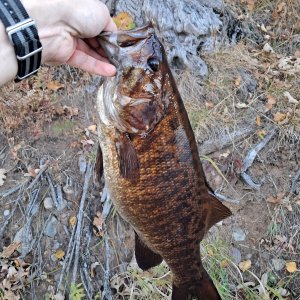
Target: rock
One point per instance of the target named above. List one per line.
(6, 213)
(24, 236)
(82, 163)
(48, 203)
(51, 228)
(238, 235)
(278, 264)
(236, 255)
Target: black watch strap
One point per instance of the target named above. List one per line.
(23, 35)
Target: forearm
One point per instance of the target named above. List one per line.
(8, 61)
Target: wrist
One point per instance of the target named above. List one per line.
(8, 64)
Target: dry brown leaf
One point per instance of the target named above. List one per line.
(92, 128)
(258, 121)
(2, 176)
(245, 265)
(280, 7)
(59, 254)
(251, 4)
(209, 104)
(71, 111)
(55, 85)
(224, 263)
(271, 102)
(9, 250)
(279, 117)
(238, 81)
(98, 224)
(291, 267)
(276, 200)
(124, 21)
(72, 221)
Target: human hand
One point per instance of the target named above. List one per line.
(67, 30)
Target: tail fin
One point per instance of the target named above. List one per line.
(200, 290)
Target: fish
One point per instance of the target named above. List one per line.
(151, 163)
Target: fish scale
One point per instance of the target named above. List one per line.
(155, 176)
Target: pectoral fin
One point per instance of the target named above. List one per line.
(128, 161)
(145, 257)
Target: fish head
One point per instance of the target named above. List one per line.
(135, 99)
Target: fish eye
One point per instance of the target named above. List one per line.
(126, 44)
(153, 63)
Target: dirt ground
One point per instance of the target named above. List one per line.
(60, 234)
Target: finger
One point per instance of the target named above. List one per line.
(84, 47)
(111, 26)
(88, 63)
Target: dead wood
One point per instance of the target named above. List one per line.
(185, 27)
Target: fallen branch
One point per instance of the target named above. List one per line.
(249, 159)
(294, 182)
(38, 176)
(224, 198)
(87, 178)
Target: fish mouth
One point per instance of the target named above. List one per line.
(112, 42)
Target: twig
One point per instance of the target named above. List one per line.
(249, 159)
(10, 216)
(38, 176)
(87, 178)
(14, 189)
(52, 189)
(224, 198)
(294, 182)
(106, 295)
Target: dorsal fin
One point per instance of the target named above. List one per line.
(216, 212)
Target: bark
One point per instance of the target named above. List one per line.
(186, 27)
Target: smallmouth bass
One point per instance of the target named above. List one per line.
(151, 162)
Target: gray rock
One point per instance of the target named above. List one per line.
(24, 236)
(48, 203)
(82, 163)
(278, 264)
(6, 213)
(51, 228)
(238, 235)
(236, 255)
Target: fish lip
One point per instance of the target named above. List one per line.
(108, 40)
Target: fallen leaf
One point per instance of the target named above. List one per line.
(250, 4)
(59, 254)
(279, 117)
(2, 176)
(124, 21)
(92, 128)
(55, 85)
(291, 267)
(224, 263)
(276, 200)
(245, 265)
(8, 251)
(271, 101)
(72, 221)
(209, 104)
(98, 224)
(71, 111)
(280, 7)
(261, 134)
(258, 121)
(238, 81)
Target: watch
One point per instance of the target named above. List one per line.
(23, 35)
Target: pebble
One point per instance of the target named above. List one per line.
(51, 229)
(238, 235)
(48, 203)
(6, 213)
(236, 255)
(278, 264)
